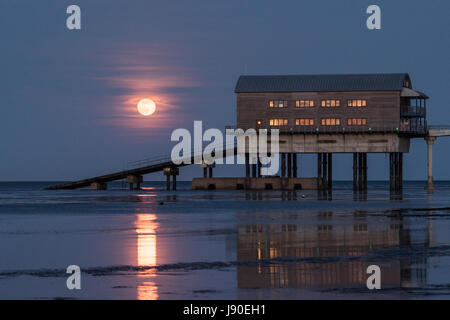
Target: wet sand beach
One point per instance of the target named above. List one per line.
(157, 244)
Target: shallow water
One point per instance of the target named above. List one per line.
(157, 244)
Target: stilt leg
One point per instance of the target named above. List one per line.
(360, 171)
(400, 170)
(319, 166)
(365, 170)
(289, 165)
(247, 165)
(355, 171)
(330, 170)
(391, 170)
(324, 169)
(294, 160)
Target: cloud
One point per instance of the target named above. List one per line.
(136, 71)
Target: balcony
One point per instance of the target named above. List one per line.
(412, 111)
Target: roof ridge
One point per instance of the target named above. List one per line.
(322, 82)
(322, 74)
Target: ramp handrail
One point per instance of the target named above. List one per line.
(168, 158)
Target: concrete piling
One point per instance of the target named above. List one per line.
(396, 170)
(171, 171)
(247, 165)
(294, 160)
(430, 141)
(289, 165)
(98, 186)
(330, 171)
(134, 179)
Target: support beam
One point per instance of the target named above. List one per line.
(391, 170)
(174, 182)
(324, 170)
(289, 165)
(395, 170)
(430, 184)
(171, 171)
(360, 171)
(364, 170)
(330, 170)
(167, 182)
(283, 165)
(247, 165)
(355, 171)
(259, 167)
(98, 186)
(319, 166)
(294, 160)
(134, 179)
(400, 170)
(206, 167)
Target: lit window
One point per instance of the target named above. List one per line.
(330, 122)
(304, 122)
(357, 121)
(278, 122)
(278, 104)
(357, 103)
(304, 103)
(333, 103)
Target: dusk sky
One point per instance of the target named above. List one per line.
(68, 98)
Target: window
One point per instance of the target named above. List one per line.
(278, 103)
(278, 122)
(356, 121)
(304, 122)
(357, 103)
(304, 103)
(330, 103)
(330, 122)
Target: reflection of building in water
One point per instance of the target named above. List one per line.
(146, 226)
(327, 254)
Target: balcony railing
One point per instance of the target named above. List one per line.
(412, 111)
(418, 130)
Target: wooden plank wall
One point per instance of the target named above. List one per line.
(382, 110)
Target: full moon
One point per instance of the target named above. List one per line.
(146, 107)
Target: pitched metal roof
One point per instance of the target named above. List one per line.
(314, 83)
(410, 93)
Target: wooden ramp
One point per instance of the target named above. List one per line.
(145, 167)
